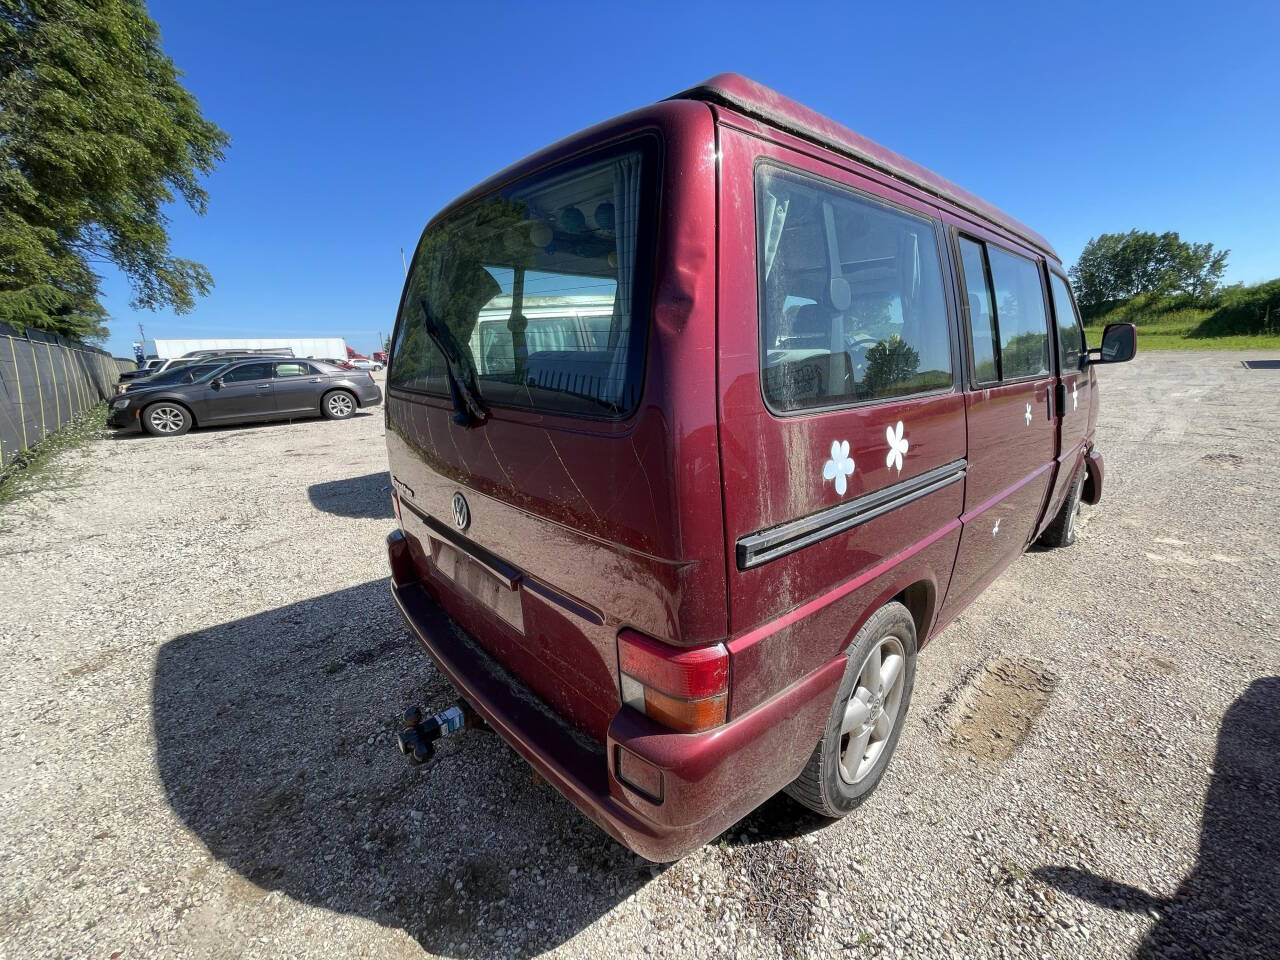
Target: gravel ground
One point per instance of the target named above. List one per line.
(199, 663)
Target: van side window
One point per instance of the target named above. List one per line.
(1007, 319)
(851, 297)
(982, 319)
(1070, 336)
(1020, 314)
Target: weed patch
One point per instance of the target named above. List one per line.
(33, 467)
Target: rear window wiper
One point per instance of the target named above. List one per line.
(468, 408)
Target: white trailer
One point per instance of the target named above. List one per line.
(330, 347)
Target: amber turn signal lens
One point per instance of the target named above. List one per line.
(685, 716)
(683, 688)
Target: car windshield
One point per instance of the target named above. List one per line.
(536, 292)
(183, 372)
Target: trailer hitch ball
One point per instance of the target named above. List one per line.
(417, 735)
(414, 746)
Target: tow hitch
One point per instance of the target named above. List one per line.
(417, 735)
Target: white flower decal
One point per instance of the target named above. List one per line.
(1075, 399)
(897, 446)
(839, 466)
(1028, 414)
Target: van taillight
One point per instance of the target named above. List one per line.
(684, 689)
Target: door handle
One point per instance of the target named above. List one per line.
(315, 379)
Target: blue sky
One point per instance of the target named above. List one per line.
(352, 124)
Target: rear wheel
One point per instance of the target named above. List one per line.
(165, 419)
(866, 720)
(1062, 531)
(338, 405)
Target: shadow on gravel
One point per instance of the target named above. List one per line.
(137, 433)
(778, 818)
(274, 743)
(366, 498)
(1226, 907)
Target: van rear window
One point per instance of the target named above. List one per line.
(542, 289)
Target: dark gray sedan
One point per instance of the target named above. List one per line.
(247, 391)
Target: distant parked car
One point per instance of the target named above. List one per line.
(177, 364)
(189, 373)
(155, 366)
(245, 391)
(344, 364)
(146, 370)
(362, 363)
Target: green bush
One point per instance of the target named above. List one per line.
(1241, 310)
(1227, 312)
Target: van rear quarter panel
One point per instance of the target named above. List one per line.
(622, 516)
(793, 614)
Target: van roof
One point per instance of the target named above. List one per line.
(759, 102)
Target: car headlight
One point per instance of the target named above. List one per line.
(120, 404)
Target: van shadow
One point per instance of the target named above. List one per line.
(365, 498)
(1227, 905)
(275, 745)
(778, 818)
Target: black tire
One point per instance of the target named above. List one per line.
(338, 405)
(1062, 531)
(824, 786)
(164, 418)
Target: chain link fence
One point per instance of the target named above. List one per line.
(46, 381)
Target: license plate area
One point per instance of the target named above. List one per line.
(474, 580)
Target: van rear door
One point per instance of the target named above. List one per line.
(842, 426)
(551, 408)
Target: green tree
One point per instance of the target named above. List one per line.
(97, 135)
(1198, 269)
(1118, 266)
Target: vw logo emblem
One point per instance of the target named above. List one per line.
(461, 512)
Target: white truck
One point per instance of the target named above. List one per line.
(320, 347)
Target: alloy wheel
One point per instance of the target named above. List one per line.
(166, 419)
(872, 710)
(340, 405)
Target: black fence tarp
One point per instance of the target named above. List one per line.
(45, 381)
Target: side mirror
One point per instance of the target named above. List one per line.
(1119, 344)
(216, 383)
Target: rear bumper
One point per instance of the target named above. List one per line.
(709, 780)
(370, 396)
(1092, 493)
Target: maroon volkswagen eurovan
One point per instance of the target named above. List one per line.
(701, 424)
